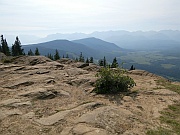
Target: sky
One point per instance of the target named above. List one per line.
(43, 17)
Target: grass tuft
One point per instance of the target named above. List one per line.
(170, 115)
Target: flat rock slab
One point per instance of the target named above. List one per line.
(6, 113)
(40, 94)
(29, 115)
(112, 119)
(51, 120)
(83, 129)
(18, 84)
(9, 102)
(76, 71)
(27, 103)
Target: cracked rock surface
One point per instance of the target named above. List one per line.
(43, 97)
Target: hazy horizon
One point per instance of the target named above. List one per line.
(43, 17)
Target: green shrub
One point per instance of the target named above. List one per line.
(112, 81)
(6, 61)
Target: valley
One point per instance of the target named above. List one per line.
(156, 52)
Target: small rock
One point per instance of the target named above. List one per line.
(42, 72)
(50, 81)
(29, 115)
(127, 99)
(40, 94)
(63, 93)
(83, 65)
(140, 107)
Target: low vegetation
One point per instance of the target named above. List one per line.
(6, 61)
(113, 81)
(170, 115)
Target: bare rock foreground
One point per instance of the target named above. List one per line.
(43, 97)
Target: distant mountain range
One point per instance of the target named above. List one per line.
(90, 47)
(139, 40)
(156, 52)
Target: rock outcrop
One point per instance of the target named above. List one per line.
(41, 96)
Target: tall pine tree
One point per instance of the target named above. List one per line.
(16, 48)
(50, 56)
(101, 62)
(37, 52)
(87, 60)
(4, 46)
(56, 56)
(0, 48)
(30, 53)
(91, 60)
(104, 62)
(114, 63)
(81, 58)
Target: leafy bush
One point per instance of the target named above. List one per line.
(112, 81)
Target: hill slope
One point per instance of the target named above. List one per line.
(89, 47)
(66, 46)
(98, 44)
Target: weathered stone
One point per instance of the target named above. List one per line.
(83, 65)
(76, 71)
(82, 129)
(42, 72)
(19, 84)
(9, 102)
(27, 103)
(6, 113)
(127, 98)
(55, 118)
(50, 81)
(65, 61)
(63, 93)
(29, 115)
(50, 120)
(40, 94)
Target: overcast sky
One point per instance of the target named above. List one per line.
(42, 17)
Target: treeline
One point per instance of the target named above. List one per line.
(15, 50)
(104, 63)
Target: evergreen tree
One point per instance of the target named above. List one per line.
(101, 62)
(0, 48)
(67, 56)
(30, 53)
(91, 60)
(16, 48)
(81, 58)
(87, 60)
(76, 59)
(132, 68)
(56, 56)
(63, 55)
(114, 63)
(104, 62)
(50, 56)
(36, 52)
(4, 46)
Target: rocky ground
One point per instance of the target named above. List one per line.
(43, 97)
